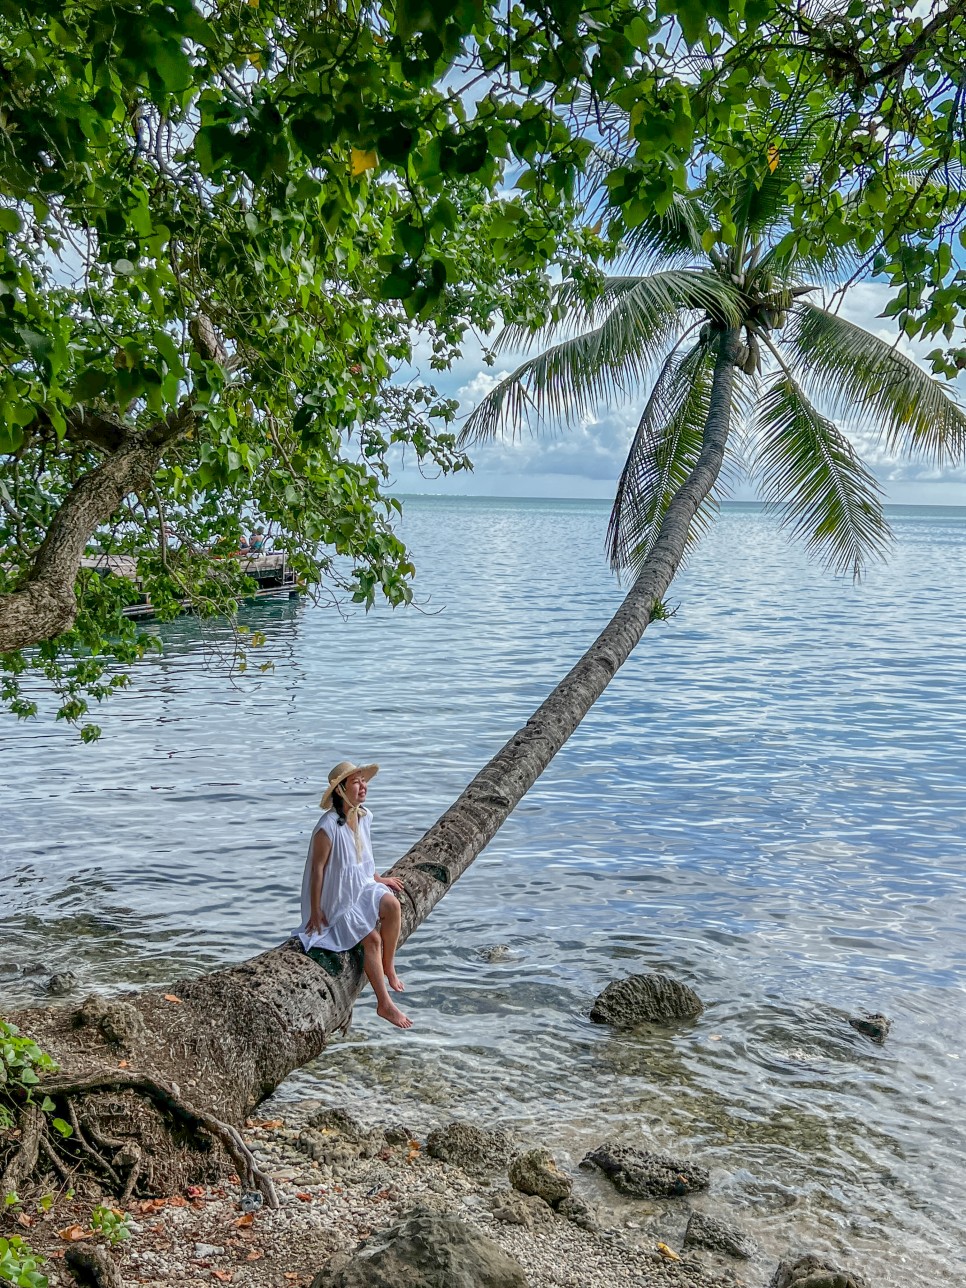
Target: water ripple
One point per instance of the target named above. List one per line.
(768, 803)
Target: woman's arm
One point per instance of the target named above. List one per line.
(321, 849)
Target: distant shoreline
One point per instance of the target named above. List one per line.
(756, 507)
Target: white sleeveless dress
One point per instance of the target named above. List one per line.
(350, 893)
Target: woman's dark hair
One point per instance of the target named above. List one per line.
(338, 804)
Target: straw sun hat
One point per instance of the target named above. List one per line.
(343, 770)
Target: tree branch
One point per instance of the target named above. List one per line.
(911, 52)
(45, 605)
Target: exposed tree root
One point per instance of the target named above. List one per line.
(25, 1158)
(120, 1163)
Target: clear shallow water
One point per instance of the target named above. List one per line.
(768, 802)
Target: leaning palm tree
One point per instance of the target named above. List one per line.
(713, 307)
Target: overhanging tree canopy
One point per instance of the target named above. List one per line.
(221, 225)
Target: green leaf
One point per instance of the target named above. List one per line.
(38, 346)
(11, 439)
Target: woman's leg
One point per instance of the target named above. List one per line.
(390, 919)
(386, 1008)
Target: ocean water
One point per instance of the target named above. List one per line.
(769, 802)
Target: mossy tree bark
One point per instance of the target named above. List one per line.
(153, 1082)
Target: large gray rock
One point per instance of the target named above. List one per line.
(470, 1147)
(644, 1175)
(812, 1272)
(535, 1172)
(718, 1236)
(425, 1250)
(645, 999)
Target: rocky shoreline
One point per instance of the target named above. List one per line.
(465, 1207)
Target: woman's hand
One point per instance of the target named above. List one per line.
(315, 924)
(392, 882)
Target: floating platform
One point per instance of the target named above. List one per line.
(270, 571)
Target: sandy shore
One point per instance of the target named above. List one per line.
(331, 1201)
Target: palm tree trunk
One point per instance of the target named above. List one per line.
(214, 1046)
(455, 840)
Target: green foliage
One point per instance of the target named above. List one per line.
(222, 242)
(110, 1224)
(20, 1265)
(810, 471)
(22, 1063)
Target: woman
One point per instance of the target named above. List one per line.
(344, 902)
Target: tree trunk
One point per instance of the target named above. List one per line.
(45, 604)
(151, 1078)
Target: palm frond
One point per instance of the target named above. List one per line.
(673, 238)
(567, 380)
(663, 453)
(570, 378)
(630, 296)
(785, 259)
(810, 474)
(861, 376)
(785, 135)
(943, 178)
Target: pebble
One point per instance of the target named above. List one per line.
(204, 1251)
(350, 1200)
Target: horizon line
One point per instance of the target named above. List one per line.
(595, 500)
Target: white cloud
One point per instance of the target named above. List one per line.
(473, 393)
(585, 459)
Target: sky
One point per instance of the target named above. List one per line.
(584, 461)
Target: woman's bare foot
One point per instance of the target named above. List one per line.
(391, 1012)
(395, 983)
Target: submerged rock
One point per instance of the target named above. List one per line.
(645, 999)
(536, 1173)
(62, 983)
(645, 1175)
(718, 1236)
(470, 1147)
(875, 1026)
(425, 1250)
(496, 953)
(812, 1272)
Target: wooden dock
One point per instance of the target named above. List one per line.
(270, 571)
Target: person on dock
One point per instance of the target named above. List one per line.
(344, 901)
(256, 542)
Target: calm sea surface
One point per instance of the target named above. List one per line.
(769, 802)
